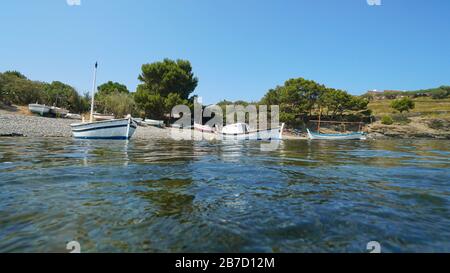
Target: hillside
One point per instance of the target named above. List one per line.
(424, 107)
(429, 118)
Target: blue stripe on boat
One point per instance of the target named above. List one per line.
(104, 127)
(352, 134)
(112, 138)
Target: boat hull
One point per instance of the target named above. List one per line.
(352, 136)
(111, 129)
(271, 134)
(59, 111)
(203, 128)
(100, 117)
(39, 109)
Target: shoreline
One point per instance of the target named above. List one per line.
(15, 124)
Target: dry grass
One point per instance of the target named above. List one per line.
(23, 110)
(425, 107)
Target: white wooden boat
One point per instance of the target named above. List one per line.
(73, 116)
(241, 131)
(203, 128)
(152, 122)
(39, 109)
(58, 111)
(108, 129)
(101, 117)
(350, 136)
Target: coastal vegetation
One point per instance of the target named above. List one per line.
(164, 85)
(301, 100)
(387, 120)
(16, 88)
(115, 98)
(403, 105)
(423, 106)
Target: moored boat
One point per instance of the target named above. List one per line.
(39, 109)
(241, 131)
(58, 111)
(108, 129)
(101, 117)
(73, 116)
(152, 122)
(105, 129)
(203, 128)
(349, 136)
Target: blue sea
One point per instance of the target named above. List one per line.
(200, 196)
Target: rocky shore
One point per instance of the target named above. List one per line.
(416, 128)
(14, 124)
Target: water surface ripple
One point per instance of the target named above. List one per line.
(183, 196)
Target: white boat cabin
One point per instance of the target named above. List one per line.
(237, 128)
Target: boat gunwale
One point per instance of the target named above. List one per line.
(100, 121)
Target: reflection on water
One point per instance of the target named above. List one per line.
(182, 196)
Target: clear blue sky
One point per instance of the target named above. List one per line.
(238, 48)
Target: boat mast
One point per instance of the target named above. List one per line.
(320, 117)
(93, 92)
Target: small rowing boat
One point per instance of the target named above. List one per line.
(58, 111)
(241, 131)
(39, 109)
(203, 128)
(350, 136)
(101, 117)
(105, 129)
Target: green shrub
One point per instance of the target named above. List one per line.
(436, 124)
(401, 119)
(441, 94)
(387, 120)
(119, 104)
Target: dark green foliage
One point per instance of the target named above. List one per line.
(15, 88)
(303, 98)
(164, 85)
(111, 88)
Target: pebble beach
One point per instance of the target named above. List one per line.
(16, 124)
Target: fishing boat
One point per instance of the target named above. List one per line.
(203, 128)
(349, 136)
(39, 109)
(106, 129)
(100, 117)
(149, 122)
(58, 111)
(73, 116)
(152, 122)
(242, 131)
